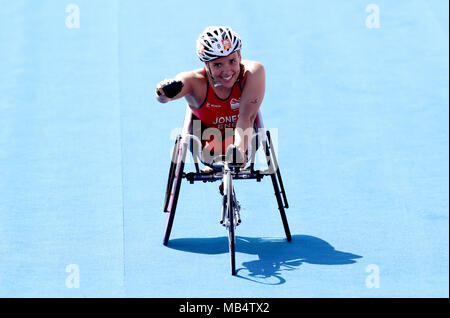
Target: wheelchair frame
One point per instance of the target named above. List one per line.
(176, 174)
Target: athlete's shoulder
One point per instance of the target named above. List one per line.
(192, 80)
(252, 66)
(193, 75)
(252, 72)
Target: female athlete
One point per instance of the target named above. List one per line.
(225, 94)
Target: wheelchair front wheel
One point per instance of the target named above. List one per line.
(231, 224)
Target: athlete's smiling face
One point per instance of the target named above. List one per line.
(225, 70)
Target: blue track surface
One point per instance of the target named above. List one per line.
(363, 133)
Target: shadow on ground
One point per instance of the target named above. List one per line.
(275, 256)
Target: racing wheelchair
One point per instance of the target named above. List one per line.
(222, 170)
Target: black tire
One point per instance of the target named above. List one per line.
(281, 208)
(176, 185)
(275, 177)
(171, 173)
(231, 234)
(278, 172)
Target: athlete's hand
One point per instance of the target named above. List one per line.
(159, 93)
(245, 159)
(167, 89)
(236, 156)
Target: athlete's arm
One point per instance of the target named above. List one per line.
(251, 99)
(186, 78)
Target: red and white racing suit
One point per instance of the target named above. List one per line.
(218, 113)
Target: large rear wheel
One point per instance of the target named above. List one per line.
(172, 199)
(277, 182)
(172, 167)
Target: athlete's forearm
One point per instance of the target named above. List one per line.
(173, 89)
(243, 133)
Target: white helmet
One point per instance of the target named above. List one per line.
(217, 41)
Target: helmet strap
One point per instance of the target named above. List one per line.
(212, 77)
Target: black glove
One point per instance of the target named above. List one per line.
(172, 88)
